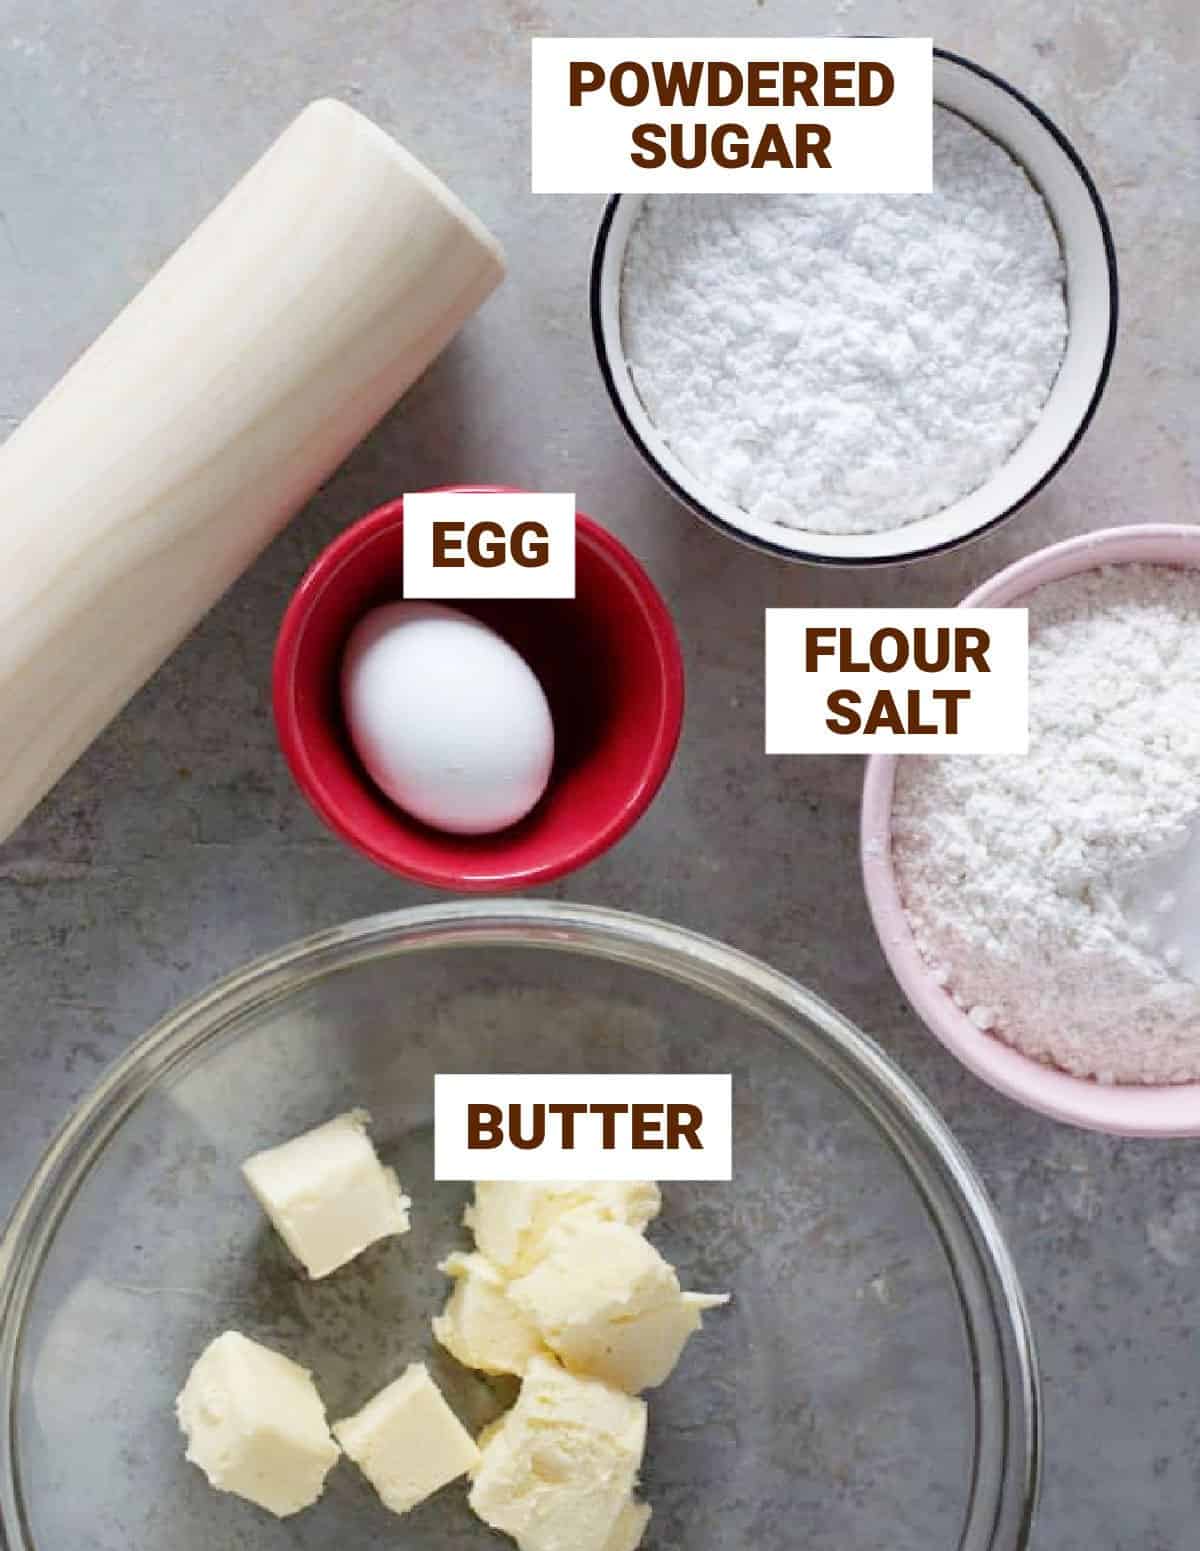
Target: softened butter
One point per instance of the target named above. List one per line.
(511, 1218)
(558, 1471)
(255, 1425)
(608, 1304)
(327, 1193)
(480, 1324)
(407, 1441)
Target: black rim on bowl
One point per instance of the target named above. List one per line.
(786, 552)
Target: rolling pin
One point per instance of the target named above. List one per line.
(207, 413)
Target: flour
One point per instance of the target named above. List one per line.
(1016, 871)
(848, 363)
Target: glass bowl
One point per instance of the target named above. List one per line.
(872, 1384)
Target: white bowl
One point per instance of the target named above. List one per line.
(1054, 166)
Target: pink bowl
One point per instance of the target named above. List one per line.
(1123, 1110)
(608, 660)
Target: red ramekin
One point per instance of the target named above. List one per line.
(608, 660)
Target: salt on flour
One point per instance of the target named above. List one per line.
(1014, 869)
(848, 363)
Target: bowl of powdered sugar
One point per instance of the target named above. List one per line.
(856, 378)
(1042, 911)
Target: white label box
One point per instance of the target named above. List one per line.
(911, 681)
(583, 1126)
(489, 544)
(723, 115)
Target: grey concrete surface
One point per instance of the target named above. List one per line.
(178, 847)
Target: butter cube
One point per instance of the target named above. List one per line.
(630, 1527)
(327, 1193)
(255, 1425)
(407, 1441)
(558, 1471)
(608, 1304)
(512, 1218)
(481, 1326)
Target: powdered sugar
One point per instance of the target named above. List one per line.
(849, 363)
(1016, 872)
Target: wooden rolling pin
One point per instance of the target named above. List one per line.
(265, 348)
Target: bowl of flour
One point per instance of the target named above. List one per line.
(858, 379)
(1042, 911)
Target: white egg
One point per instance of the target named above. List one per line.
(449, 721)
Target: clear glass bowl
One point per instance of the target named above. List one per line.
(872, 1384)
